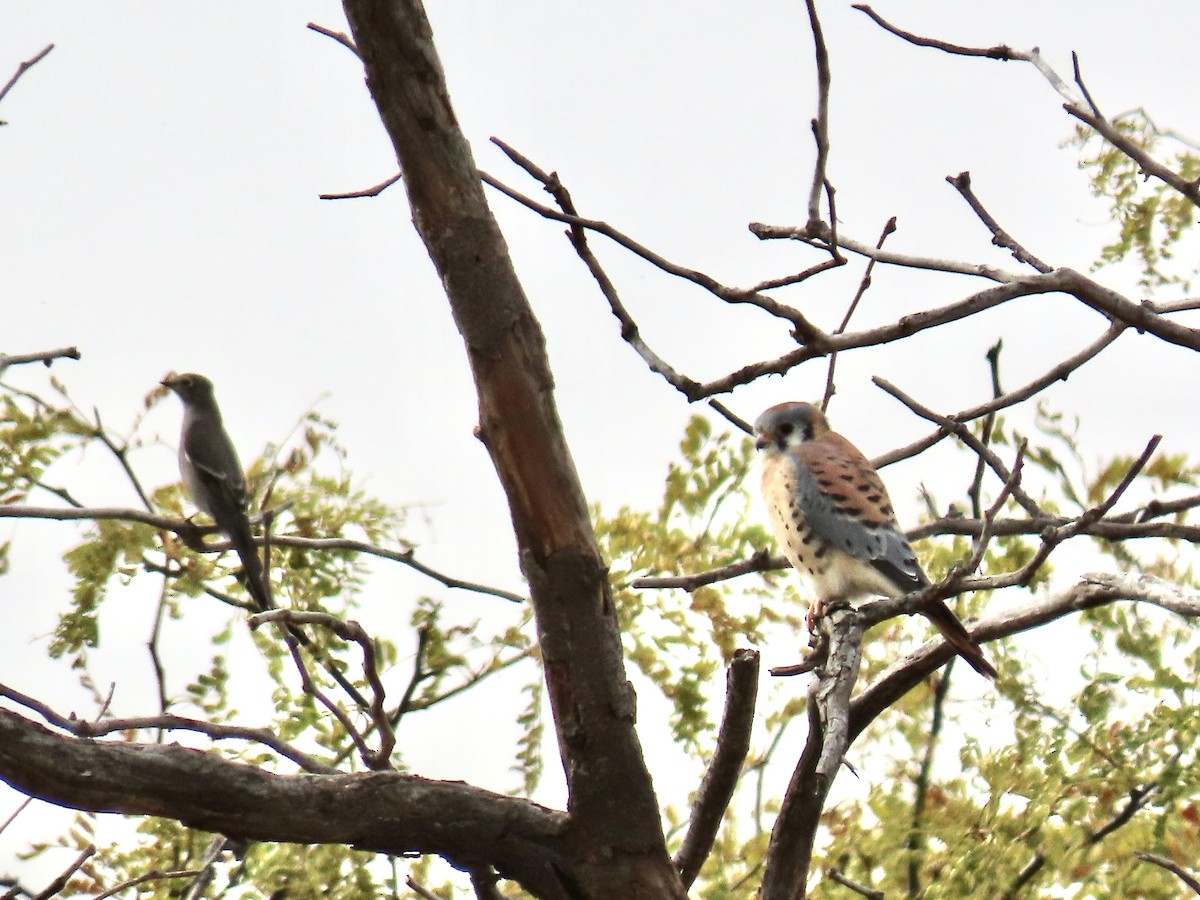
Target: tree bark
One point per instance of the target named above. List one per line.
(614, 830)
(382, 811)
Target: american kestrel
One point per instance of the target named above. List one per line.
(834, 522)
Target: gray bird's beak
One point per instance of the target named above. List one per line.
(761, 442)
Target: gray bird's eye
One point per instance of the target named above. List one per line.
(786, 428)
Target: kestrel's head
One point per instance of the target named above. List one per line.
(787, 425)
(190, 387)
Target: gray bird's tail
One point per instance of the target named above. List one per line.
(256, 579)
(958, 637)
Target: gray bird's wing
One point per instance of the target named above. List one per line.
(216, 468)
(218, 486)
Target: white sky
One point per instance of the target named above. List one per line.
(159, 176)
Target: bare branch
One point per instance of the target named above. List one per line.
(373, 191)
(888, 228)
(92, 729)
(964, 434)
(21, 807)
(761, 561)
(416, 887)
(21, 70)
(1000, 237)
(789, 852)
(386, 812)
(725, 767)
(1171, 866)
(1091, 591)
(152, 875)
(61, 881)
(1147, 163)
(790, 232)
(341, 38)
(1091, 116)
(348, 631)
(45, 356)
(1060, 372)
(734, 419)
(1000, 51)
(188, 531)
(861, 890)
(804, 329)
(578, 237)
(1087, 95)
(820, 125)
(916, 839)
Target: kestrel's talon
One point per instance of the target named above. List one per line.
(813, 616)
(833, 520)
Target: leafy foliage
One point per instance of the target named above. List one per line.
(1153, 219)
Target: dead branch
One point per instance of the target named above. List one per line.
(725, 767)
(21, 70)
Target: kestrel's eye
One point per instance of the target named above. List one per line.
(786, 428)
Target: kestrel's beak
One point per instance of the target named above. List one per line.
(761, 441)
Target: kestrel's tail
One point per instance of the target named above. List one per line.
(958, 638)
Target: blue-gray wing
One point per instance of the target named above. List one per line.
(846, 504)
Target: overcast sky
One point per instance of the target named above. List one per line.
(159, 182)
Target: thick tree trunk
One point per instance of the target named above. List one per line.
(615, 836)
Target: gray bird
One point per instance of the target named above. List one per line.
(208, 464)
(834, 522)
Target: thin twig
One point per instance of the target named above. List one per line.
(45, 356)
(122, 454)
(804, 329)
(888, 228)
(21, 807)
(761, 561)
(732, 417)
(160, 672)
(1147, 163)
(860, 889)
(975, 491)
(1059, 372)
(1000, 51)
(60, 882)
(820, 125)
(188, 531)
(21, 70)
(152, 875)
(916, 841)
(348, 631)
(343, 39)
(1087, 95)
(1000, 237)
(933, 264)
(963, 434)
(373, 191)
(1171, 866)
(419, 675)
(416, 888)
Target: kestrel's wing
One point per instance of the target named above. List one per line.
(846, 504)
